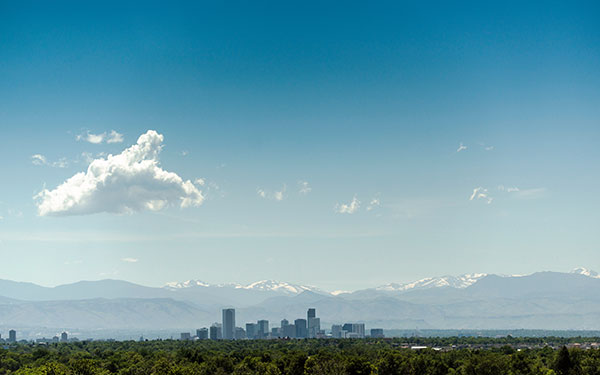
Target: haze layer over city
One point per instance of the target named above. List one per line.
(407, 168)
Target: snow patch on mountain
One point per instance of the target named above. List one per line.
(277, 286)
(262, 285)
(186, 284)
(459, 282)
(586, 272)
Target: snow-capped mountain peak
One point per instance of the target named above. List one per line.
(185, 284)
(586, 272)
(262, 285)
(278, 286)
(459, 282)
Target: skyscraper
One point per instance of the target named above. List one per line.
(202, 333)
(215, 331)
(12, 336)
(314, 326)
(228, 324)
(311, 315)
(356, 329)
(263, 329)
(301, 331)
(359, 329)
(64, 337)
(289, 330)
(240, 333)
(336, 331)
(251, 330)
(284, 322)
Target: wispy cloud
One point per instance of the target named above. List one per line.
(461, 147)
(91, 137)
(481, 193)
(277, 195)
(374, 203)
(39, 159)
(261, 193)
(112, 137)
(304, 187)
(348, 208)
(124, 183)
(532, 193)
(209, 188)
(509, 189)
(130, 260)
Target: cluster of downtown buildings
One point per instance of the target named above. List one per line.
(299, 329)
(12, 338)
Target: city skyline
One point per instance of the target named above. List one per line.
(308, 328)
(346, 147)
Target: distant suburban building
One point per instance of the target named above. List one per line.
(185, 336)
(301, 330)
(229, 324)
(64, 337)
(263, 328)
(12, 336)
(377, 333)
(202, 333)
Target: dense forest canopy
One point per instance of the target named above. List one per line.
(346, 356)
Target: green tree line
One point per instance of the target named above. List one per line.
(296, 357)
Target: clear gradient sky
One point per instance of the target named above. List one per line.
(289, 112)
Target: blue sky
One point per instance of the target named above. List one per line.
(313, 106)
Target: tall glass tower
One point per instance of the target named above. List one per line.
(228, 324)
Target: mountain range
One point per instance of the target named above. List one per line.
(543, 300)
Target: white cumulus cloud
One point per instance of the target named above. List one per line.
(348, 208)
(124, 183)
